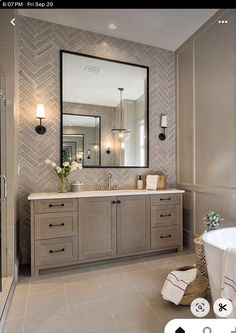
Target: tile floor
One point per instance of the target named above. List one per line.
(117, 297)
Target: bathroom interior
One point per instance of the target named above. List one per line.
(137, 108)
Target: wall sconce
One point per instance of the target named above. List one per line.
(108, 150)
(162, 136)
(40, 114)
(80, 156)
(88, 154)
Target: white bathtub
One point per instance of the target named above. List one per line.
(215, 242)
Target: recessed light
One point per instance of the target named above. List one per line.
(112, 26)
(104, 44)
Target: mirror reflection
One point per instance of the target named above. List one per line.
(81, 139)
(104, 112)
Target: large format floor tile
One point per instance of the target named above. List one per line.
(122, 297)
(93, 317)
(139, 320)
(46, 306)
(110, 276)
(47, 322)
(78, 274)
(114, 297)
(143, 278)
(83, 291)
(14, 326)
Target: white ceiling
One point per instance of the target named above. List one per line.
(80, 86)
(165, 28)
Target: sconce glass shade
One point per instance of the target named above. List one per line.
(164, 121)
(121, 134)
(40, 114)
(40, 111)
(108, 147)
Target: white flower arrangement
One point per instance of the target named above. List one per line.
(64, 171)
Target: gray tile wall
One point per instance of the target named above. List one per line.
(39, 43)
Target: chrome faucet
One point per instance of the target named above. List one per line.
(109, 180)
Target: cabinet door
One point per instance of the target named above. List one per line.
(97, 227)
(133, 223)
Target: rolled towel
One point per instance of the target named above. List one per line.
(151, 182)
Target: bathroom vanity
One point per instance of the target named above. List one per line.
(75, 228)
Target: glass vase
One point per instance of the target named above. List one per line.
(63, 188)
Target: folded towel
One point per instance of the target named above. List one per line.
(176, 283)
(151, 182)
(228, 280)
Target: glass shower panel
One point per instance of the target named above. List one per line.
(3, 173)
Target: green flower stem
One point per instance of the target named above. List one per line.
(62, 176)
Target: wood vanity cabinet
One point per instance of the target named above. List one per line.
(54, 233)
(97, 227)
(84, 229)
(113, 225)
(166, 221)
(133, 224)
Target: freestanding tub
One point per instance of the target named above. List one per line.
(215, 243)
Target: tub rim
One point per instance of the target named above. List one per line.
(206, 240)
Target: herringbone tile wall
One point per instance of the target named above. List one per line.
(39, 44)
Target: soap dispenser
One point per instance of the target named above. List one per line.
(140, 183)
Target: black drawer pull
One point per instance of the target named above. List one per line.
(53, 251)
(165, 215)
(113, 202)
(56, 225)
(165, 236)
(61, 205)
(165, 199)
(118, 201)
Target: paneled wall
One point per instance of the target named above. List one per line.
(206, 120)
(40, 43)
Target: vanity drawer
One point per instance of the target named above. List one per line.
(56, 251)
(164, 215)
(165, 237)
(57, 205)
(52, 225)
(165, 199)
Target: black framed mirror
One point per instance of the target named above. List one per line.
(106, 101)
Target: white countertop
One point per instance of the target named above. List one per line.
(106, 193)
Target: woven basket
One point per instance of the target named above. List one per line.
(200, 257)
(195, 289)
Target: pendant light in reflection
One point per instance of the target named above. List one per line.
(121, 133)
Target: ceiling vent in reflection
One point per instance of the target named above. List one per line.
(93, 69)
